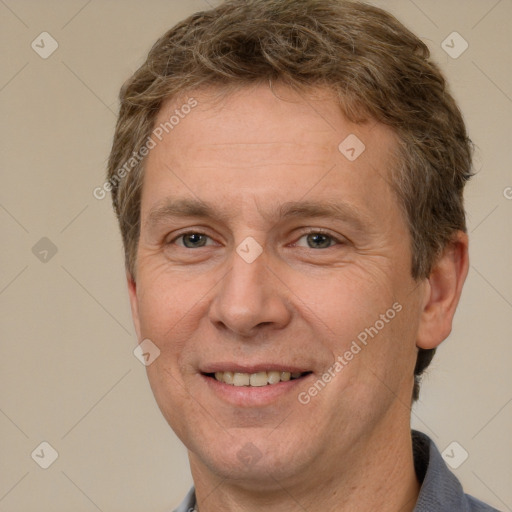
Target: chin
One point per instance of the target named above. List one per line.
(253, 460)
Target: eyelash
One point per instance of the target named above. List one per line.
(306, 233)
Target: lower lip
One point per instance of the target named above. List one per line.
(253, 396)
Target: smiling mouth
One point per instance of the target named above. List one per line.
(258, 379)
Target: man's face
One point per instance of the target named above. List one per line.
(268, 174)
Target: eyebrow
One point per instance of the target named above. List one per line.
(181, 208)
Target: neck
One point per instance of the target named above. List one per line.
(377, 476)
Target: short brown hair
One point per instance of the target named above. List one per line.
(378, 69)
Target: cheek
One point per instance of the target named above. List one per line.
(166, 296)
(361, 314)
(169, 311)
(344, 302)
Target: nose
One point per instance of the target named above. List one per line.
(250, 299)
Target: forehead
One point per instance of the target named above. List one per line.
(265, 119)
(281, 145)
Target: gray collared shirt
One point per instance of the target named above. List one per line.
(440, 490)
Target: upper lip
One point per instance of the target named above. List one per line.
(251, 368)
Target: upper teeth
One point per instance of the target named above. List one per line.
(255, 379)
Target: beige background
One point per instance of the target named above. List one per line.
(68, 375)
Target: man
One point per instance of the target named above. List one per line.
(288, 179)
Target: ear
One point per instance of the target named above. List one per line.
(134, 303)
(442, 293)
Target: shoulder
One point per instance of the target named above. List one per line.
(189, 502)
(440, 489)
(475, 505)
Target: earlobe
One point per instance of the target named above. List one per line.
(443, 292)
(134, 303)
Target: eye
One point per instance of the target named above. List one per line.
(318, 240)
(192, 240)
